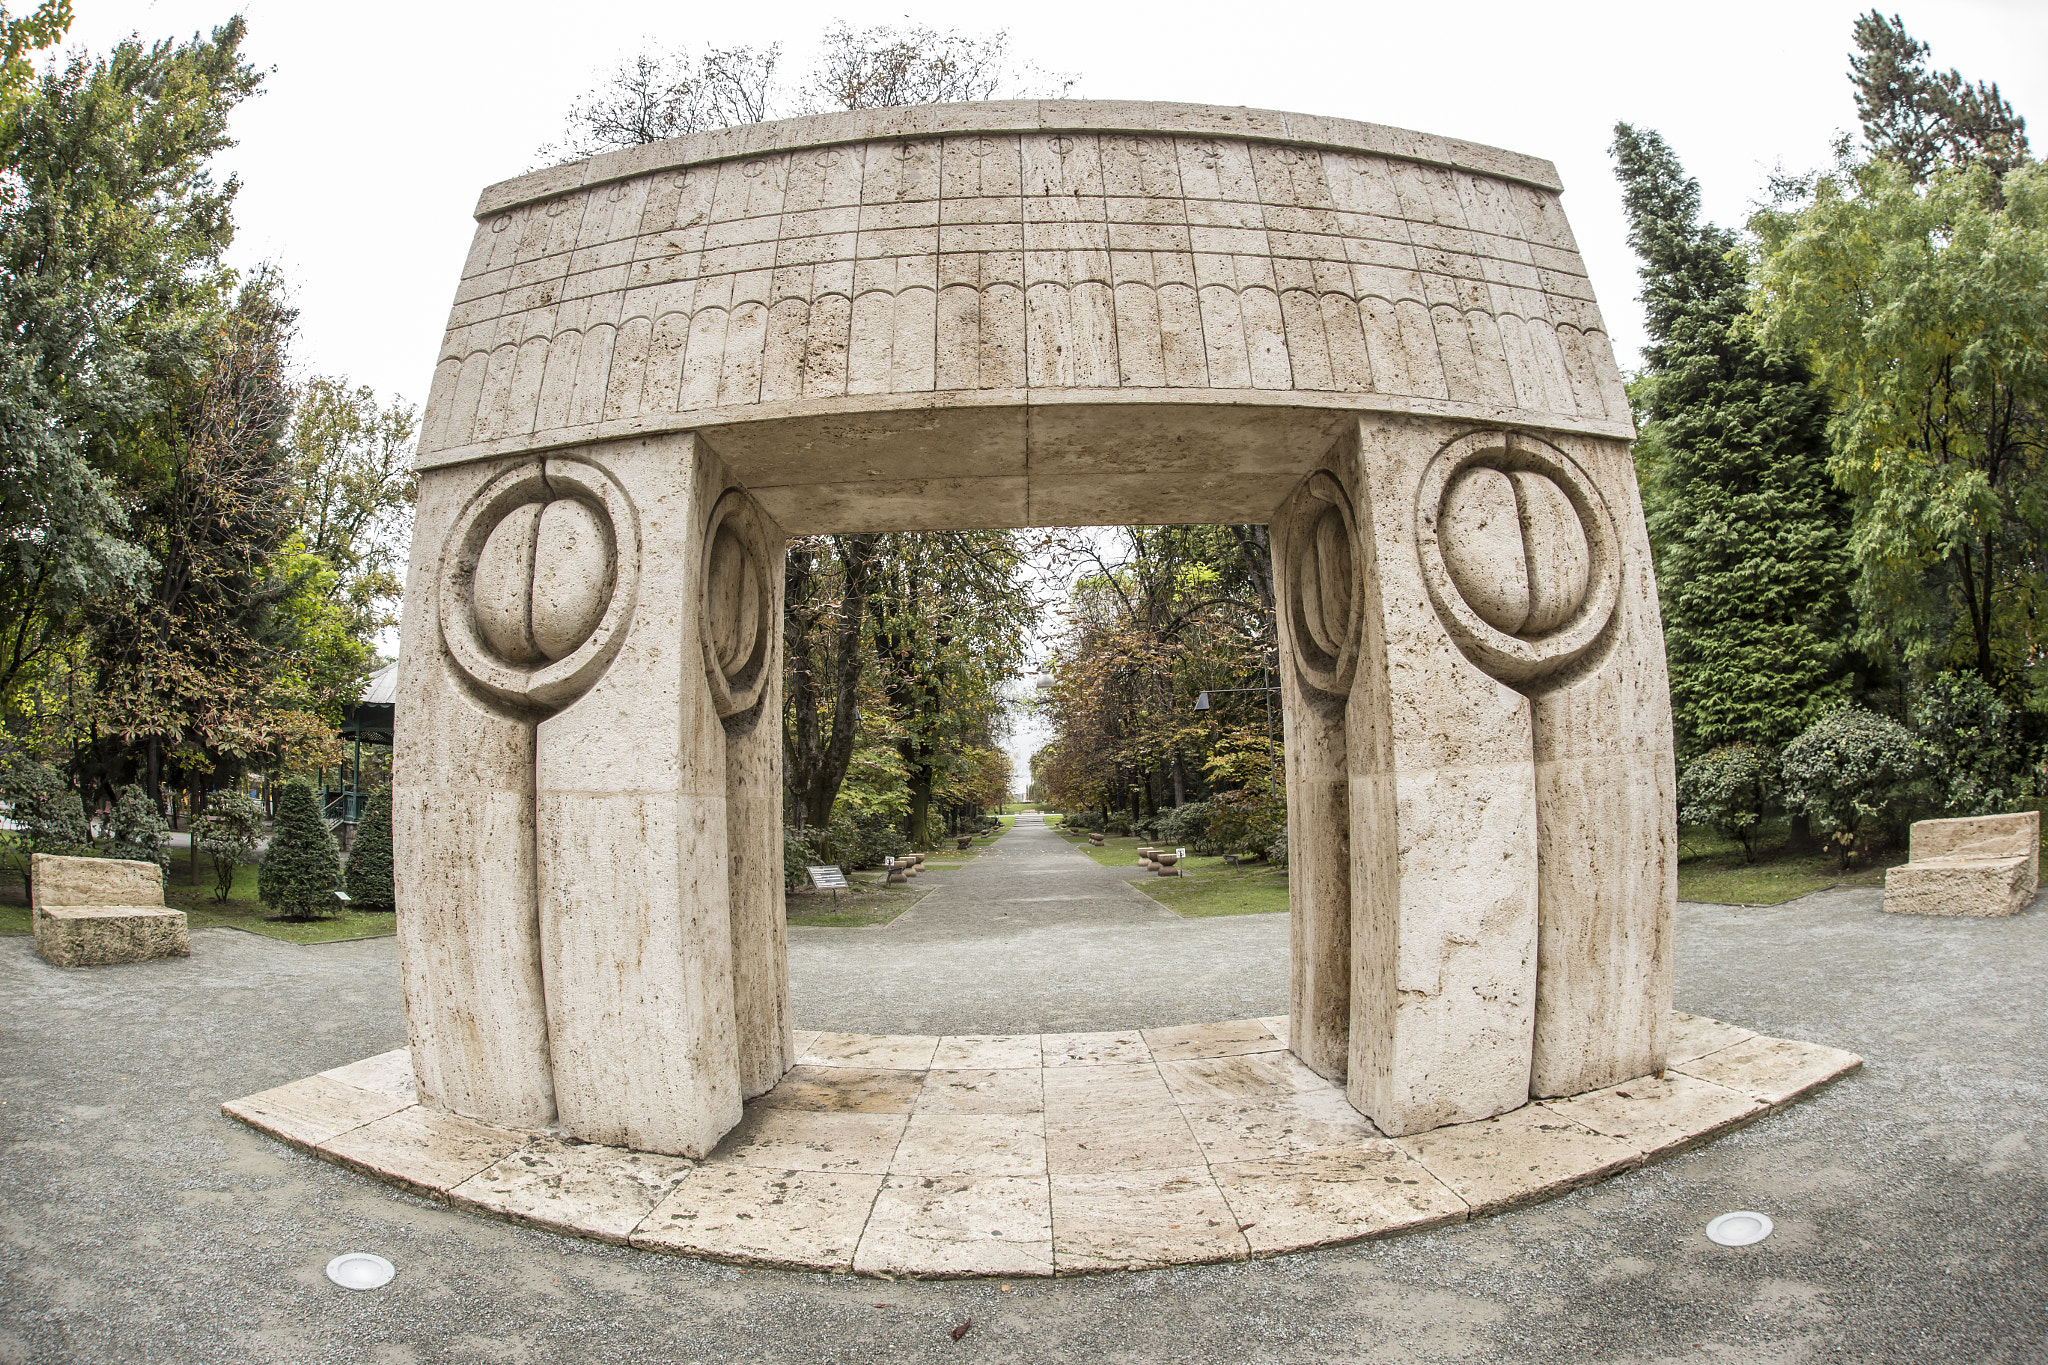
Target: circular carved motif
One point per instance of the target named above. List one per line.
(752, 169)
(1319, 549)
(1519, 552)
(501, 222)
(538, 579)
(736, 606)
(1061, 145)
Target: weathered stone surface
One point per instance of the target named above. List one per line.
(1095, 1049)
(309, 1112)
(1128, 1220)
(1210, 1040)
(1774, 1070)
(1660, 1117)
(100, 912)
(658, 366)
(809, 1140)
(846, 1090)
(105, 936)
(68, 882)
(987, 1051)
(578, 1188)
(1128, 1155)
(953, 1225)
(1693, 1037)
(1341, 1194)
(800, 1218)
(1977, 865)
(1520, 1158)
(387, 1073)
(423, 1151)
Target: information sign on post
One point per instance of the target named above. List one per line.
(828, 879)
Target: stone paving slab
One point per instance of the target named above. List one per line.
(1051, 1155)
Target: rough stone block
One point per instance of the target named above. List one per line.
(94, 881)
(96, 912)
(1975, 865)
(102, 936)
(1959, 886)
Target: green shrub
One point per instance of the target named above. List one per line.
(1969, 745)
(302, 867)
(1118, 823)
(368, 878)
(1081, 820)
(49, 816)
(1187, 827)
(1850, 767)
(1729, 789)
(1246, 821)
(135, 830)
(230, 831)
(797, 854)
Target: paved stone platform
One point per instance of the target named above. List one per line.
(1042, 1154)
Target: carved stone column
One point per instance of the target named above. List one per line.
(610, 620)
(1475, 731)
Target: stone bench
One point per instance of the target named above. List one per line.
(93, 912)
(1978, 865)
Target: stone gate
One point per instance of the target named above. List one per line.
(663, 362)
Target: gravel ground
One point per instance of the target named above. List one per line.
(137, 1224)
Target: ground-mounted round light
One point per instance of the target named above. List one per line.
(1739, 1229)
(360, 1270)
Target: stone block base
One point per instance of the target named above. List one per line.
(1052, 1154)
(103, 935)
(1959, 886)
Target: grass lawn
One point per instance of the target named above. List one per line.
(241, 911)
(1226, 891)
(869, 902)
(1711, 869)
(1017, 807)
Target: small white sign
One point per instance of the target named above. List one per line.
(827, 878)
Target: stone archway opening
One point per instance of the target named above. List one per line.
(663, 362)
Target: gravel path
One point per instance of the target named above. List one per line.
(137, 1224)
(1034, 936)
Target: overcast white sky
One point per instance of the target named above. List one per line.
(381, 120)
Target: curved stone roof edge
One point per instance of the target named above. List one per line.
(1018, 116)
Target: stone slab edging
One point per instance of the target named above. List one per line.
(1041, 1154)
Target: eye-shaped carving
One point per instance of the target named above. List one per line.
(543, 580)
(1519, 554)
(1514, 548)
(1318, 548)
(738, 600)
(538, 579)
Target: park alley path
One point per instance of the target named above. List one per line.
(1034, 936)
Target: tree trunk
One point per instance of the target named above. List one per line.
(1800, 838)
(1180, 782)
(198, 808)
(920, 807)
(817, 761)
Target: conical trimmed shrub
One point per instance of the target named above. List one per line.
(369, 860)
(302, 867)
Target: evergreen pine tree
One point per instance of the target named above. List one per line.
(302, 867)
(1749, 531)
(369, 860)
